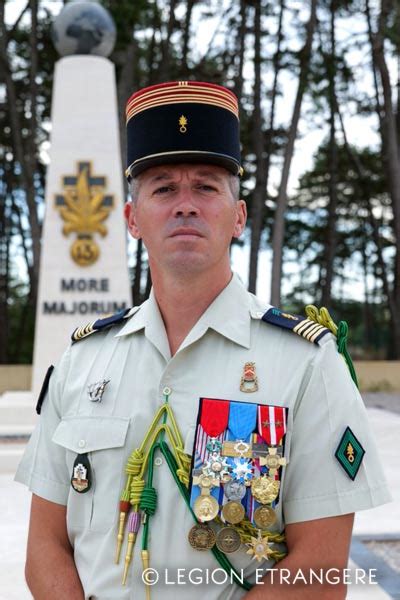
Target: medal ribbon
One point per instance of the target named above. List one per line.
(272, 424)
(214, 416)
(242, 420)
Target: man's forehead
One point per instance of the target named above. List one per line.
(164, 172)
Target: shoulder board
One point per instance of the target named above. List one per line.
(303, 326)
(100, 324)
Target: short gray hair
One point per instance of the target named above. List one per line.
(233, 181)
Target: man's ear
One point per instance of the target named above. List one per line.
(241, 218)
(130, 218)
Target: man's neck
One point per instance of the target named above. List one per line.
(182, 301)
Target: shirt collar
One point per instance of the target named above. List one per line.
(229, 315)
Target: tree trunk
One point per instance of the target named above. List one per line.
(240, 50)
(257, 212)
(331, 237)
(22, 155)
(260, 193)
(391, 152)
(164, 70)
(186, 35)
(279, 222)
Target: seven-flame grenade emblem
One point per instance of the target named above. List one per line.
(84, 207)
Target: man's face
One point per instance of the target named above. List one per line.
(186, 216)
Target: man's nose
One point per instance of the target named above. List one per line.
(185, 205)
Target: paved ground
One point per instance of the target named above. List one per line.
(375, 545)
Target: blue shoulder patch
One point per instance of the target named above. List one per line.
(303, 326)
(100, 325)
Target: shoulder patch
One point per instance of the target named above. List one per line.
(44, 389)
(303, 326)
(100, 324)
(350, 453)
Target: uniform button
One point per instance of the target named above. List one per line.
(167, 391)
(158, 461)
(81, 443)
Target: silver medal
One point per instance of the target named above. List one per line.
(234, 490)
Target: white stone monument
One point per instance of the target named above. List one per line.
(83, 270)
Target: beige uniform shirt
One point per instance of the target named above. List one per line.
(312, 381)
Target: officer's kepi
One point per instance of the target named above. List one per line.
(182, 122)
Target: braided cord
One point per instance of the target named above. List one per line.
(340, 331)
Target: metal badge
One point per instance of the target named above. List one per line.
(249, 381)
(96, 390)
(81, 479)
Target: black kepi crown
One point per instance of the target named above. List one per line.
(182, 122)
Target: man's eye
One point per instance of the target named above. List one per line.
(206, 188)
(163, 189)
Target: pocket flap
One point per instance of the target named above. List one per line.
(85, 434)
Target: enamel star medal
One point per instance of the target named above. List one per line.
(259, 547)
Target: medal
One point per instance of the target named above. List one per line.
(234, 490)
(81, 474)
(264, 517)
(201, 537)
(236, 448)
(264, 489)
(206, 507)
(259, 547)
(233, 512)
(217, 466)
(228, 540)
(242, 470)
(273, 461)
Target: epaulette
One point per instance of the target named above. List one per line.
(307, 328)
(100, 324)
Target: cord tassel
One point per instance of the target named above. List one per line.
(133, 525)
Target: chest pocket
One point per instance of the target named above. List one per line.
(103, 439)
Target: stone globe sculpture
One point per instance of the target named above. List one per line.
(84, 28)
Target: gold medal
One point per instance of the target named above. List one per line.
(259, 547)
(265, 489)
(206, 508)
(264, 517)
(228, 540)
(201, 537)
(273, 461)
(233, 512)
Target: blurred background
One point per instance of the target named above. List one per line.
(319, 91)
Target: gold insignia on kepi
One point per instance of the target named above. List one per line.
(249, 381)
(84, 207)
(350, 453)
(183, 122)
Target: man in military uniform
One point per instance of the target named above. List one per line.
(201, 387)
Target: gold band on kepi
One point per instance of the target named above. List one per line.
(182, 122)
